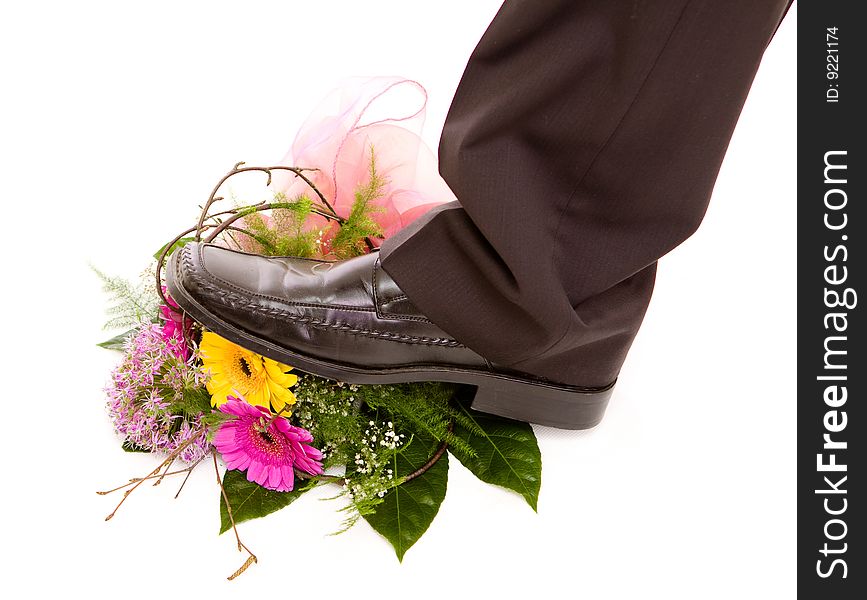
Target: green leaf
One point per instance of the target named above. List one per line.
(179, 244)
(506, 453)
(130, 447)
(250, 500)
(408, 509)
(118, 341)
(195, 401)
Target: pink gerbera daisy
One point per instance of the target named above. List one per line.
(269, 448)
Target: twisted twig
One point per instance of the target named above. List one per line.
(243, 212)
(153, 474)
(298, 171)
(326, 210)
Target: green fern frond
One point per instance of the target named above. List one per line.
(423, 407)
(350, 238)
(285, 235)
(130, 304)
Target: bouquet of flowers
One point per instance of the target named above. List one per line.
(195, 399)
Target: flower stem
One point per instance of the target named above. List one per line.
(433, 459)
(137, 479)
(424, 468)
(241, 547)
(189, 471)
(153, 474)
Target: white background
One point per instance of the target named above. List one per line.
(116, 120)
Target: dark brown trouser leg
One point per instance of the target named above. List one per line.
(583, 144)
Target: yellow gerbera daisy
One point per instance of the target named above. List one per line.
(235, 371)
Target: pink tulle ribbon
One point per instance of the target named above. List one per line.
(337, 139)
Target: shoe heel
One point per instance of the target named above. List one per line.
(554, 406)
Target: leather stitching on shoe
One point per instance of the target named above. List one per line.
(380, 303)
(233, 300)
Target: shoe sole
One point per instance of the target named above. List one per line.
(564, 407)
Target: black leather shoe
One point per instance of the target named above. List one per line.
(348, 320)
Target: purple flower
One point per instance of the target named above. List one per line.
(151, 378)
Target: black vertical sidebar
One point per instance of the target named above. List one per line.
(832, 368)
